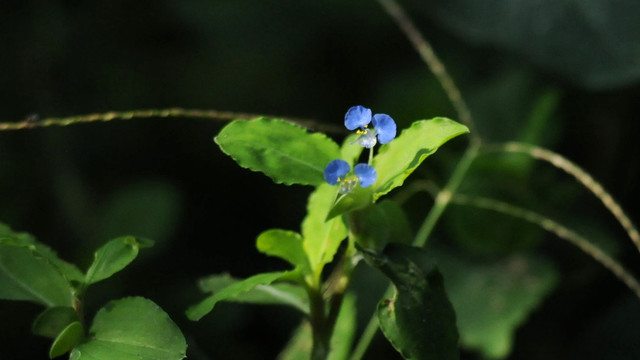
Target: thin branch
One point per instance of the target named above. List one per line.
(427, 54)
(579, 174)
(158, 113)
(554, 227)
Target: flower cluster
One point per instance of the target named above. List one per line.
(384, 130)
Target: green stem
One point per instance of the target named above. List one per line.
(444, 196)
(321, 335)
(442, 200)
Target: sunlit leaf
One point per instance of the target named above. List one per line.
(196, 312)
(132, 329)
(285, 152)
(286, 245)
(401, 157)
(114, 256)
(322, 237)
(350, 151)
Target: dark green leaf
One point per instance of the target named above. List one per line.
(322, 237)
(132, 329)
(114, 256)
(25, 275)
(286, 245)
(419, 321)
(67, 340)
(273, 294)
(196, 312)
(492, 299)
(283, 151)
(379, 224)
(399, 158)
(53, 320)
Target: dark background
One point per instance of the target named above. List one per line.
(78, 186)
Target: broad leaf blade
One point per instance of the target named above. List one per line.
(25, 275)
(379, 224)
(69, 337)
(113, 257)
(273, 294)
(401, 157)
(357, 199)
(420, 321)
(350, 151)
(132, 329)
(53, 320)
(285, 152)
(196, 312)
(68, 270)
(286, 245)
(492, 299)
(322, 237)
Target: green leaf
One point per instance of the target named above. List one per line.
(114, 256)
(25, 275)
(274, 294)
(420, 321)
(322, 237)
(67, 340)
(299, 347)
(196, 312)
(379, 224)
(492, 299)
(357, 199)
(286, 245)
(285, 152)
(401, 157)
(53, 320)
(10, 237)
(350, 151)
(132, 329)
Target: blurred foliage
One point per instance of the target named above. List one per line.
(598, 46)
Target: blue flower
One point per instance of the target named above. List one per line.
(336, 173)
(366, 174)
(359, 117)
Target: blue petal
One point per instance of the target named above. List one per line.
(366, 174)
(385, 127)
(335, 170)
(357, 117)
